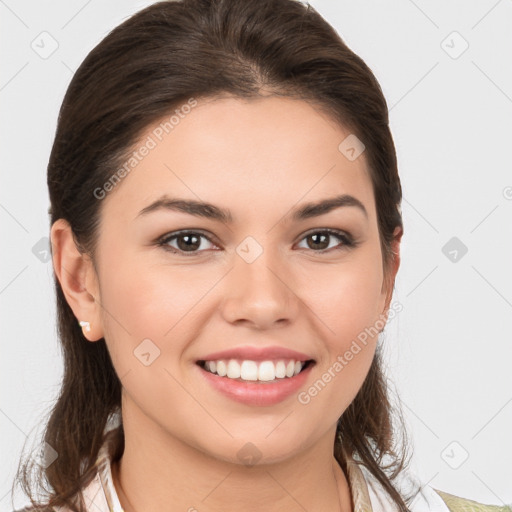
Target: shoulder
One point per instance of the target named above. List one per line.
(458, 504)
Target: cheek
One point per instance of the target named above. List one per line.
(349, 304)
(349, 299)
(158, 303)
(350, 351)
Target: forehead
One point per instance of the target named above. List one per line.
(244, 155)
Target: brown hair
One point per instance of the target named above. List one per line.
(141, 71)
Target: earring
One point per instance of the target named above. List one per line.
(85, 324)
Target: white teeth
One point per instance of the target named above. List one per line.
(221, 368)
(253, 371)
(233, 370)
(249, 370)
(280, 370)
(267, 371)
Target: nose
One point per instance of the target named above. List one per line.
(260, 294)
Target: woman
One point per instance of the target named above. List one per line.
(226, 227)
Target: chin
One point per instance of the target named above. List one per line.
(260, 449)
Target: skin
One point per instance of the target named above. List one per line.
(260, 159)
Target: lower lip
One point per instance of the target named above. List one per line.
(255, 392)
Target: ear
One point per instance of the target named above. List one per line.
(77, 278)
(393, 265)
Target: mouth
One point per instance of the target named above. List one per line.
(269, 371)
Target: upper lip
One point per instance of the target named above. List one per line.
(257, 354)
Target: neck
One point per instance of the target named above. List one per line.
(233, 492)
(161, 473)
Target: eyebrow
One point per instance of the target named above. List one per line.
(210, 211)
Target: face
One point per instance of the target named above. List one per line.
(274, 285)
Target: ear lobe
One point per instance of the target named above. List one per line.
(77, 278)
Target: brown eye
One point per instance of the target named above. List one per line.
(320, 240)
(186, 242)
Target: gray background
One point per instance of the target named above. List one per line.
(449, 350)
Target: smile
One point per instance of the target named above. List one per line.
(247, 370)
(255, 383)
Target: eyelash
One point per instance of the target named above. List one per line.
(348, 241)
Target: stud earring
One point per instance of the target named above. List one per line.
(85, 324)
